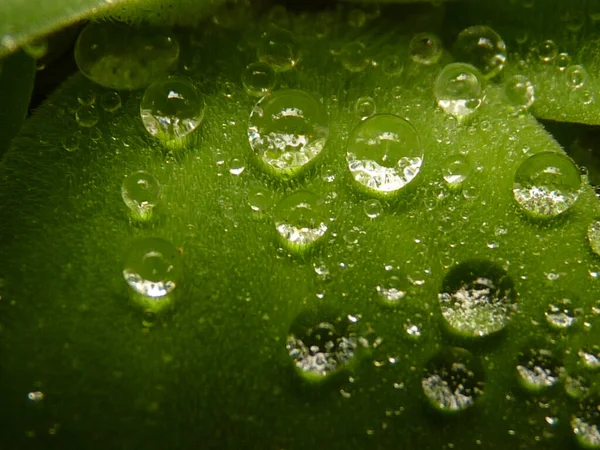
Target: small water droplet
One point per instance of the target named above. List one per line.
(37, 48)
(287, 130)
(236, 166)
(585, 423)
(87, 97)
(171, 108)
(563, 60)
(547, 184)
(591, 358)
(477, 298)
(456, 170)
(300, 219)
(392, 285)
(425, 48)
(260, 200)
(392, 65)
(279, 49)
(71, 142)
(140, 192)
(481, 47)
(364, 107)
(35, 396)
(372, 208)
(459, 89)
(110, 101)
(593, 235)
(538, 369)
(353, 56)
(453, 380)
(87, 116)
(259, 79)
(547, 51)
(520, 91)
(559, 313)
(576, 76)
(384, 153)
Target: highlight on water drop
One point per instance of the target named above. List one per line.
(287, 130)
(481, 47)
(547, 184)
(301, 219)
(384, 154)
(140, 192)
(459, 89)
(171, 108)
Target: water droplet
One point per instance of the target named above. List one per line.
(425, 48)
(392, 65)
(576, 387)
(576, 76)
(71, 142)
(559, 314)
(392, 286)
(481, 47)
(87, 97)
(364, 107)
(279, 49)
(87, 116)
(459, 89)
(384, 153)
(372, 208)
(547, 184)
(453, 380)
(258, 79)
(140, 192)
(110, 101)
(121, 57)
(320, 346)
(321, 268)
(520, 91)
(353, 56)
(236, 166)
(456, 170)
(563, 60)
(547, 51)
(593, 235)
(36, 48)
(585, 423)
(152, 270)
(300, 219)
(590, 359)
(538, 369)
(287, 130)
(259, 199)
(35, 396)
(171, 108)
(477, 298)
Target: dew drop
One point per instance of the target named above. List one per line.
(425, 48)
(585, 423)
(547, 184)
(590, 359)
(481, 47)
(477, 298)
(152, 270)
(320, 346)
(563, 60)
(520, 91)
(71, 143)
(279, 49)
(372, 208)
(547, 51)
(459, 89)
(87, 97)
(538, 369)
(392, 65)
(110, 101)
(87, 116)
(384, 153)
(392, 285)
(37, 48)
(35, 396)
(353, 56)
(121, 57)
(301, 219)
(593, 235)
(258, 79)
(140, 192)
(559, 313)
(576, 76)
(287, 130)
(364, 107)
(260, 200)
(453, 380)
(456, 170)
(171, 108)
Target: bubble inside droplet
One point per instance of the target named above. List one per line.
(459, 89)
(481, 47)
(258, 79)
(593, 235)
(171, 108)
(453, 380)
(477, 298)
(425, 48)
(547, 184)
(301, 219)
(140, 192)
(520, 91)
(122, 57)
(538, 369)
(287, 130)
(153, 270)
(384, 153)
(456, 170)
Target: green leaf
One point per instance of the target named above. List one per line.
(82, 366)
(17, 73)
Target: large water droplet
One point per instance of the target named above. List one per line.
(121, 57)
(547, 184)
(453, 380)
(593, 234)
(459, 89)
(287, 130)
(456, 170)
(384, 153)
(483, 48)
(171, 108)
(425, 48)
(279, 49)
(538, 369)
(585, 423)
(320, 346)
(152, 270)
(140, 192)
(258, 79)
(520, 91)
(301, 219)
(477, 298)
